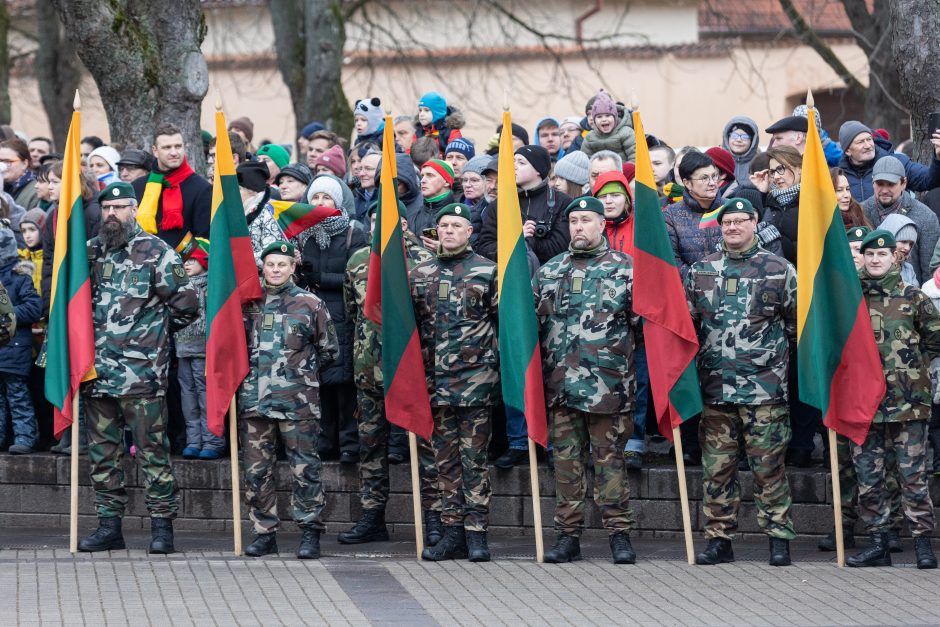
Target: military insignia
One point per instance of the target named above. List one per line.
(897, 334)
(457, 211)
(928, 307)
(582, 204)
(765, 297)
(739, 205)
(881, 241)
(858, 232)
(283, 248)
(179, 272)
(473, 301)
(268, 322)
(577, 283)
(115, 192)
(443, 290)
(3, 299)
(731, 286)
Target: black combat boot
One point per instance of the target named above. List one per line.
(161, 536)
(894, 541)
(924, 554)
(718, 551)
(453, 546)
(264, 544)
(828, 541)
(309, 544)
(779, 552)
(433, 527)
(567, 549)
(107, 537)
(621, 549)
(477, 549)
(370, 528)
(878, 554)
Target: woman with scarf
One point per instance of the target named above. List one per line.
(325, 250)
(782, 200)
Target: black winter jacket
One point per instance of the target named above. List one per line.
(542, 204)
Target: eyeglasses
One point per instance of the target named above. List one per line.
(714, 178)
(727, 224)
(114, 207)
(780, 170)
(741, 136)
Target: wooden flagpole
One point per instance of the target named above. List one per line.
(73, 479)
(836, 497)
(536, 504)
(236, 487)
(416, 493)
(683, 496)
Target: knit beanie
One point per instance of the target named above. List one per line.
(461, 145)
(276, 153)
(298, 171)
(723, 160)
(107, 153)
(629, 170)
(334, 160)
(371, 110)
(328, 185)
(34, 216)
(253, 175)
(478, 164)
(441, 167)
(604, 105)
(436, 103)
(803, 110)
(517, 131)
(311, 128)
(575, 167)
(902, 227)
(849, 131)
(538, 158)
(246, 126)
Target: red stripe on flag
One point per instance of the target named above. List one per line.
(373, 302)
(535, 400)
(403, 407)
(81, 353)
(226, 363)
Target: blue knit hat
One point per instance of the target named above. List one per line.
(463, 146)
(436, 103)
(311, 128)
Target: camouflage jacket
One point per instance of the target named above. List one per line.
(456, 309)
(7, 317)
(907, 330)
(290, 338)
(588, 330)
(367, 342)
(140, 296)
(744, 308)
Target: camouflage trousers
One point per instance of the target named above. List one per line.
(908, 441)
(848, 485)
(259, 451)
(106, 418)
(374, 432)
(766, 433)
(461, 440)
(575, 434)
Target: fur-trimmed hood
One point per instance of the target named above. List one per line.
(26, 267)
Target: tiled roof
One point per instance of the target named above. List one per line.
(757, 17)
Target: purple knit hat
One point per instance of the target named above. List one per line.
(604, 105)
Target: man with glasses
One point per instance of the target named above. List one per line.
(140, 295)
(743, 304)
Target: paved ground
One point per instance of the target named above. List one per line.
(41, 583)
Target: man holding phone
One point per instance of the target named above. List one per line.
(437, 178)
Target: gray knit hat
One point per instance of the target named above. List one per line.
(328, 184)
(902, 227)
(574, 167)
(477, 164)
(849, 131)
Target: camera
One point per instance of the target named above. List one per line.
(542, 228)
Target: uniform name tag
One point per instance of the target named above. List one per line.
(108, 270)
(577, 284)
(876, 324)
(268, 322)
(731, 287)
(443, 290)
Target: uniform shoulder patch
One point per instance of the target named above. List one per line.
(179, 272)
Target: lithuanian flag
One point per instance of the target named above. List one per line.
(520, 357)
(296, 217)
(658, 296)
(233, 281)
(70, 348)
(388, 303)
(839, 366)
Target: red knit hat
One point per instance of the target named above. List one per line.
(722, 159)
(629, 170)
(441, 167)
(334, 160)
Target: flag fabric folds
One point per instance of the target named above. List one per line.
(70, 348)
(388, 303)
(659, 298)
(520, 357)
(296, 217)
(233, 281)
(838, 362)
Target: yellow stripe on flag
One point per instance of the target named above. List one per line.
(389, 213)
(508, 215)
(223, 167)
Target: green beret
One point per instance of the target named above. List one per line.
(454, 209)
(585, 203)
(116, 191)
(879, 238)
(279, 247)
(735, 205)
(857, 233)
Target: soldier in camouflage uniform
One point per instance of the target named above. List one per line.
(7, 317)
(743, 304)
(290, 339)
(907, 331)
(456, 308)
(588, 335)
(374, 429)
(140, 295)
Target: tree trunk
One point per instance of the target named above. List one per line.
(58, 70)
(916, 44)
(4, 65)
(309, 40)
(146, 61)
